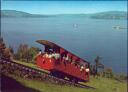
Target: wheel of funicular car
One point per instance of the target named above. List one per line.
(74, 80)
(58, 74)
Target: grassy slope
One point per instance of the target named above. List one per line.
(30, 65)
(107, 85)
(102, 85)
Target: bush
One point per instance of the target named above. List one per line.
(26, 54)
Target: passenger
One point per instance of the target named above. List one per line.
(50, 55)
(57, 55)
(70, 59)
(53, 55)
(82, 68)
(63, 57)
(87, 69)
(46, 55)
(73, 62)
(67, 58)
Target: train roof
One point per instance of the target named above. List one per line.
(53, 45)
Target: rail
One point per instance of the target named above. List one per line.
(24, 71)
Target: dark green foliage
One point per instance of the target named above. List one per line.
(32, 53)
(108, 73)
(5, 52)
(97, 65)
(2, 47)
(11, 49)
(121, 77)
(24, 53)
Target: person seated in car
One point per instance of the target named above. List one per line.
(57, 55)
(70, 59)
(67, 58)
(50, 55)
(81, 68)
(46, 55)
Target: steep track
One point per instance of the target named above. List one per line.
(24, 71)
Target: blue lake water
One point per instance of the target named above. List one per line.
(84, 37)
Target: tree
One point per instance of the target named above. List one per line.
(11, 49)
(11, 52)
(108, 73)
(2, 47)
(22, 52)
(98, 64)
(4, 52)
(25, 53)
(32, 53)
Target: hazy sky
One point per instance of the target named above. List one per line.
(64, 7)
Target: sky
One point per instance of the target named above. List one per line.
(64, 7)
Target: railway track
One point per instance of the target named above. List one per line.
(24, 71)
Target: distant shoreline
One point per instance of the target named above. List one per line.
(119, 15)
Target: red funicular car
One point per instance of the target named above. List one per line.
(62, 63)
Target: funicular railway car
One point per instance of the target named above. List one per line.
(62, 63)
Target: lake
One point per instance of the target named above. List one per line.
(84, 37)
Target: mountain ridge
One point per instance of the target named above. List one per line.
(99, 15)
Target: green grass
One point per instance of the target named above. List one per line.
(48, 87)
(107, 85)
(101, 84)
(30, 65)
